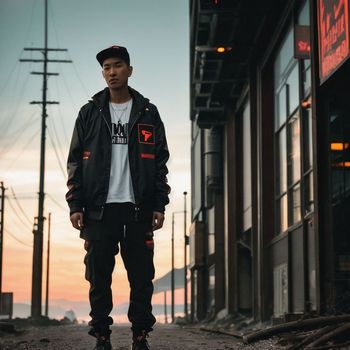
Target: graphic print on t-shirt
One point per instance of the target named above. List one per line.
(120, 133)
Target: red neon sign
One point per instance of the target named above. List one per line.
(301, 41)
(333, 38)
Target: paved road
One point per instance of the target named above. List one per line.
(163, 337)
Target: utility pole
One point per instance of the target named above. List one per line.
(38, 233)
(185, 257)
(2, 211)
(173, 265)
(48, 268)
(165, 309)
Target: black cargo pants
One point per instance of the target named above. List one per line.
(119, 227)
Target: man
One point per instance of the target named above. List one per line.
(117, 194)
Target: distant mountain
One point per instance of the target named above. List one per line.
(164, 283)
(58, 308)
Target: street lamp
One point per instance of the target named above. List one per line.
(173, 265)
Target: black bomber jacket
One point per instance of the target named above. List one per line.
(89, 159)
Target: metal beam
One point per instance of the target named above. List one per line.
(43, 60)
(42, 73)
(42, 102)
(42, 49)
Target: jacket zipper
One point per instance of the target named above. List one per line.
(110, 132)
(137, 208)
(137, 202)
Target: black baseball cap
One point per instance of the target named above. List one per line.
(113, 51)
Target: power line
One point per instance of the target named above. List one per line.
(57, 138)
(17, 239)
(14, 114)
(60, 116)
(19, 131)
(9, 76)
(56, 153)
(28, 31)
(68, 89)
(18, 215)
(15, 159)
(20, 207)
(57, 203)
(81, 82)
(24, 196)
(16, 133)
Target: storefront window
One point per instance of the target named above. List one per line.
(282, 214)
(295, 214)
(281, 103)
(304, 20)
(294, 149)
(281, 175)
(288, 136)
(293, 89)
(307, 78)
(284, 59)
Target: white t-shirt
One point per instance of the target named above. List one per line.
(120, 185)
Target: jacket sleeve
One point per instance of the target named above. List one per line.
(74, 196)
(162, 189)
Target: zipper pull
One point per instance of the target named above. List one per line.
(137, 210)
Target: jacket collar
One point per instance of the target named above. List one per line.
(101, 100)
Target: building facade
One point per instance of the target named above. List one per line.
(270, 112)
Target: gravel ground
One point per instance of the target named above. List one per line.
(162, 338)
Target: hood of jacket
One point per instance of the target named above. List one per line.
(102, 98)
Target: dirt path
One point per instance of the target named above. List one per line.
(163, 337)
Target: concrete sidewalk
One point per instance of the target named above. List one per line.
(163, 337)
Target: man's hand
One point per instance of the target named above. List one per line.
(77, 220)
(157, 221)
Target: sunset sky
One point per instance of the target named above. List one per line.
(156, 33)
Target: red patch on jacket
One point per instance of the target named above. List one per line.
(147, 155)
(146, 134)
(86, 155)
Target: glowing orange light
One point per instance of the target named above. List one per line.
(339, 146)
(342, 164)
(222, 49)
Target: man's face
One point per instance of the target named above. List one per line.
(116, 72)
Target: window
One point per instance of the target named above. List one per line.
(306, 120)
(293, 124)
(247, 170)
(294, 149)
(287, 137)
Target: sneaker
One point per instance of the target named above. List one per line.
(140, 342)
(103, 344)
